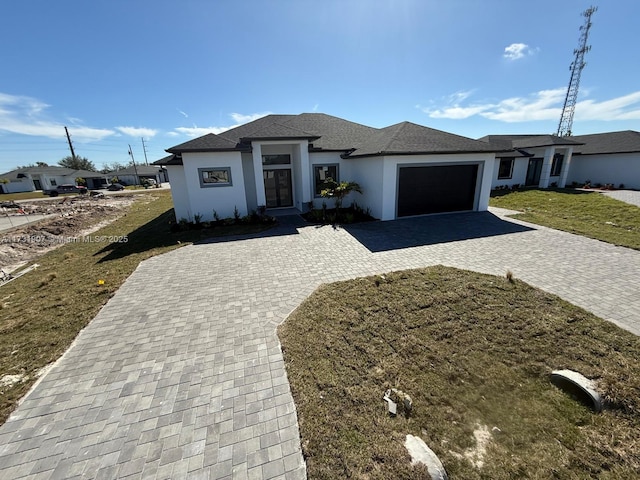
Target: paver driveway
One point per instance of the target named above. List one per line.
(181, 375)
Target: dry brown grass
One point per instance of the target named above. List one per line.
(474, 352)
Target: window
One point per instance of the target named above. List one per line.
(556, 165)
(280, 159)
(215, 177)
(53, 183)
(506, 168)
(321, 173)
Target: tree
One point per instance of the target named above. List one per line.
(112, 167)
(338, 191)
(79, 163)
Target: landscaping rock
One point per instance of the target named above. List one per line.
(421, 453)
(579, 387)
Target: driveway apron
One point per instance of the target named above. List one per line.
(181, 374)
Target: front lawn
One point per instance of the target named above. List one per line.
(474, 352)
(585, 213)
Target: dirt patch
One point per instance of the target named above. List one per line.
(71, 218)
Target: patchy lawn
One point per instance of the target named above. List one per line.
(43, 311)
(474, 352)
(585, 213)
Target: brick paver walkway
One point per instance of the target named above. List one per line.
(628, 196)
(181, 374)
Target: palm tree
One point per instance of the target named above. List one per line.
(338, 191)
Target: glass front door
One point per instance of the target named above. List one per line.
(277, 188)
(534, 171)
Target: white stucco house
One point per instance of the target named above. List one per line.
(133, 175)
(532, 160)
(281, 161)
(29, 179)
(607, 158)
(546, 160)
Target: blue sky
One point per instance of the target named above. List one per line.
(114, 71)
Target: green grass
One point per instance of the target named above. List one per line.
(473, 351)
(589, 214)
(43, 311)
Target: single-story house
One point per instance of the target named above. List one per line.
(29, 179)
(607, 158)
(282, 161)
(547, 160)
(133, 175)
(532, 160)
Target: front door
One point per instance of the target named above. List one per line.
(37, 185)
(277, 188)
(534, 171)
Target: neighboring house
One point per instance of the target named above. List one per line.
(132, 176)
(282, 161)
(607, 158)
(532, 160)
(29, 179)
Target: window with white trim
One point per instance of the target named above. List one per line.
(215, 177)
(321, 173)
(556, 165)
(506, 168)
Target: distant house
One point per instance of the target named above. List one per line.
(30, 179)
(532, 160)
(607, 158)
(132, 176)
(282, 161)
(546, 160)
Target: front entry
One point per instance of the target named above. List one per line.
(534, 171)
(277, 188)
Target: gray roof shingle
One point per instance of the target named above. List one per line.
(626, 141)
(326, 132)
(51, 171)
(407, 138)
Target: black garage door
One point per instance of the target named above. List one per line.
(436, 189)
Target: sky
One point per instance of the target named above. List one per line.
(115, 72)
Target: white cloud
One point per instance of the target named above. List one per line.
(239, 119)
(137, 131)
(516, 51)
(539, 106)
(27, 116)
(182, 113)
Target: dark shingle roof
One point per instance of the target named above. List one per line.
(208, 142)
(515, 145)
(326, 132)
(169, 160)
(407, 137)
(51, 171)
(627, 141)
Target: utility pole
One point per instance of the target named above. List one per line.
(569, 108)
(144, 149)
(135, 169)
(73, 154)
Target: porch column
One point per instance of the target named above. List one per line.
(305, 172)
(565, 167)
(546, 167)
(261, 198)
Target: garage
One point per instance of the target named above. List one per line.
(436, 189)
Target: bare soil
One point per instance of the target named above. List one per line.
(72, 217)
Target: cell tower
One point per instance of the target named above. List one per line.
(569, 108)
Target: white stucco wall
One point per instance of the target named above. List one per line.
(367, 172)
(179, 193)
(327, 158)
(518, 176)
(223, 199)
(614, 168)
(18, 186)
